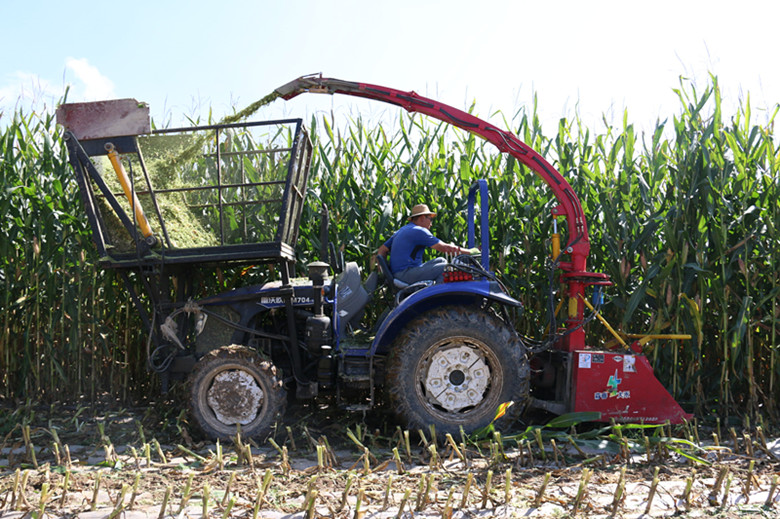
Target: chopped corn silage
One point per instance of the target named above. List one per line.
(186, 228)
(180, 168)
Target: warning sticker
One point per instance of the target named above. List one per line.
(585, 360)
(629, 364)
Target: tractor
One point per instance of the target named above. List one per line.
(174, 210)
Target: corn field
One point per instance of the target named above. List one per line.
(685, 221)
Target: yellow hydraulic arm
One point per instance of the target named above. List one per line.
(124, 180)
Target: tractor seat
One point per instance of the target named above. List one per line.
(400, 289)
(392, 283)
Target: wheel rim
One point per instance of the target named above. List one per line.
(234, 396)
(457, 375)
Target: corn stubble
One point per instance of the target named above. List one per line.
(219, 482)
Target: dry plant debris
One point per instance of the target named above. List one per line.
(73, 461)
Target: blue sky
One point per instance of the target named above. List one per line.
(596, 57)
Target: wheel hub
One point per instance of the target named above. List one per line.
(235, 397)
(457, 378)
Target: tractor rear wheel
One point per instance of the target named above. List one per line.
(231, 387)
(453, 368)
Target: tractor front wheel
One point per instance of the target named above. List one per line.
(453, 368)
(231, 387)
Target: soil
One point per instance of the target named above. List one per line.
(98, 461)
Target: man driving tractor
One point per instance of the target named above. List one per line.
(408, 244)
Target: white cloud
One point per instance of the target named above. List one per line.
(27, 91)
(94, 85)
(30, 92)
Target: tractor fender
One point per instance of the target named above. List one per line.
(465, 293)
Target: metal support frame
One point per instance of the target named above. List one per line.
(155, 267)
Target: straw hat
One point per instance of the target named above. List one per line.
(419, 210)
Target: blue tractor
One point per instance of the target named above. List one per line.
(168, 208)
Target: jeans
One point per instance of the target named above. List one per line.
(433, 269)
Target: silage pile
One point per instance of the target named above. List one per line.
(175, 164)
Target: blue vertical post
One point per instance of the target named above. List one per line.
(484, 223)
(470, 217)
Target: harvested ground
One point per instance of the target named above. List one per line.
(107, 461)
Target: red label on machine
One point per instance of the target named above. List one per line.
(622, 387)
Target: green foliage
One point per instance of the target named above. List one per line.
(64, 320)
(684, 219)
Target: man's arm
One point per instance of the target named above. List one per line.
(449, 248)
(381, 251)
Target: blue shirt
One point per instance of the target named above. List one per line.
(407, 246)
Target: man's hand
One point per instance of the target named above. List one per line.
(475, 252)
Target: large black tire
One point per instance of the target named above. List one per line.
(453, 368)
(234, 385)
